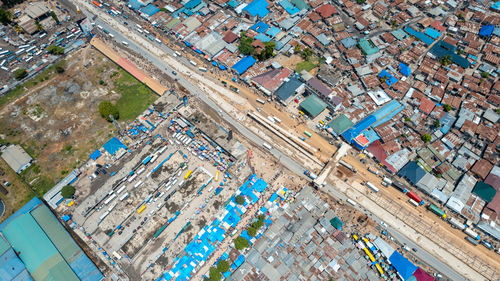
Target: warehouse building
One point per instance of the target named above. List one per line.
(43, 249)
(17, 158)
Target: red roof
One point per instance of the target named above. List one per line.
(230, 37)
(421, 275)
(326, 10)
(426, 105)
(437, 25)
(378, 151)
(494, 205)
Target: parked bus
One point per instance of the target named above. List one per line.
(193, 63)
(188, 174)
(132, 178)
(110, 198)
(261, 101)
(217, 176)
(202, 69)
(139, 183)
(121, 189)
(141, 209)
(351, 202)
(307, 134)
(266, 145)
(372, 186)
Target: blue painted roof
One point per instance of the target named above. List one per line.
(233, 4)
(441, 49)
(260, 27)
(496, 5)
(257, 8)
(150, 10)
(402, 265)
(191, 4)
(404, 69)
(389, 78)
(244, 64)
(113, 145)
(95, 155)
(135, 5)
(424, 38)
(289, 7)
(262, 37)
(431, 32)
(412, 172)
(486, 30)
(273, 31)
(348, 42)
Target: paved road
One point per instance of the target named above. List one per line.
(284, 159)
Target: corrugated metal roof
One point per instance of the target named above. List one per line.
(313, 105)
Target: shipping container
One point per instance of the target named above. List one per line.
(472, 233)
(433, 208)
(188, 174)
(456, 223)
(411, 201)
(415, 197)
(472, 241)
(372, 186)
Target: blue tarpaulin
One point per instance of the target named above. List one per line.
(404, 69)
(66, 218)
(96, 154)
(402, 265)
(244, 64)
(486, 30)
(113, 145)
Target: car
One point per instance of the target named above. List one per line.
(413, 249)
(383, 224)
(98, 165)
(174, 73)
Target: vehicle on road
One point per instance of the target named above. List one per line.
(174, 73)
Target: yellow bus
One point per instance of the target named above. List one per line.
(188, 174)
(141, 209)
(369, 254)
(217, 176)
(355, 237)
(379, 268)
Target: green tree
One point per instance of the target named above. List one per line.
(223, 266)
(20, 73)
(426, 138)
(245, 45)
(485, 74)
(5, 16)
(54, 16)
(360, 2)
(239, 199)
(297, 48)
(241, 243)
(447, 107)
(164, 10)
(214, 274)
(446, 60)
(252, 231)
(437, 124)
(55, 50)
(306, 54)
(106, 108)
(268, 51)
(68, 191)
(39, 26)
(59, 68)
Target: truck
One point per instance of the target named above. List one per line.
(415, 197)
(411, 201)
(387, 180)
(472, 241)
(456, 223)
(310, 174)
(266, 145)
(350, 167)
(373, 170)
(399, 186)
(433, 208)
(472, 233)
(372, 186)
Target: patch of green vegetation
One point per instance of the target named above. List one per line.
(306, 65)
(135, 96)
